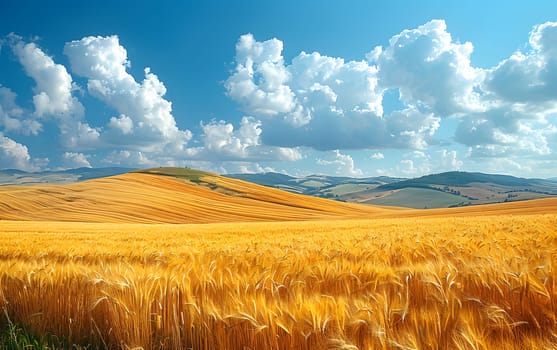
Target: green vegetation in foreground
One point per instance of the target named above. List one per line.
(180, 173)
(419, 198)
(16, 338)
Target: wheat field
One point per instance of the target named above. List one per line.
(394, 283)
(205, 262)
(149, 198)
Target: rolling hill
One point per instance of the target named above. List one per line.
(177, 195)
(334, 187)
(450, 189)
(460, 189)
(168, 195)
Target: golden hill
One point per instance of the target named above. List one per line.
(149, 198)
(188, 196)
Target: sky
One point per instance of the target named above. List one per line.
(349, 88)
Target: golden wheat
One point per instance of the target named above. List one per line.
(148, 198)
(412, 283)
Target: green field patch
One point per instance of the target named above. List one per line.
(343, 189)
(419, 198)
(313, 184)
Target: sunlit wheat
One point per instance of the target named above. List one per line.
(414, 283)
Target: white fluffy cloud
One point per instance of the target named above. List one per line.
(429, 69)
(14, 155)
(258, 82)
(507, 112)
(145, 122)
(250, 168)
(504, 131)
(222, 142)
(419, 163)
(53, 96)
(72, 160)
(521, 98)
(130, 159)
(344, 164)
(54, 85)
(448, 160)
(528, 77)
(325, 103)
(324, 84)
(328, 103)
(408, 128)
(12, 117)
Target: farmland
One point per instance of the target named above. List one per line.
(416, 197)
(337, 276)
(382, 284)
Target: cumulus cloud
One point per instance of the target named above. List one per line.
(324, 84)
(406, 167)
(344, 164)
(250, 168)
(54, 84)
(73, 160)
(429, 69)
(130, 159)
(222, 138)
(222, 142)
(419, 163)
(409, 128)
(53, 95)
(14, 155)
(520, 93)
(328, 103)
(145, 122)
(325, 103)
(258, 82)
(12, 117)
(503, 131)
(528, 77)
(508, 111)
(448, 160)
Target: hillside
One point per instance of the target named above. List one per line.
(460, 189)
(445, 190)
(450, 189)
(169, 195)
(460, 178)
(175, 195)
(334, 187)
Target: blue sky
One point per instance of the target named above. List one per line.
(358, 88)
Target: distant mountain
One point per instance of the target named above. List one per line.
(336, 187)
(459, 178)
(458, 188)
(448, 189)
(13, 172)
(95, 173)
(18, 177)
